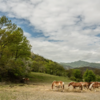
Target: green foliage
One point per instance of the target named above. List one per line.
(89, 76)
(14, 49)
(16, 68)
(77, 74)
(73, 78)
(74, 74)
(43, 65)
(97, 71)
(69, 72)
(97, 78)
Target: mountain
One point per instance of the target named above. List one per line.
(78, 64)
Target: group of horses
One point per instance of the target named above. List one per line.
(81, 85)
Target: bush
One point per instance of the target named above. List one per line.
(89, 76)
(73, 78)
(97, 78)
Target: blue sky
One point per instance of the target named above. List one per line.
(60, 30)
(24, 24)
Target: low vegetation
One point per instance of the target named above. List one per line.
(46, 78)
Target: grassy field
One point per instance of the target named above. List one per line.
(39, 88)
(46, 78)
(25, 91)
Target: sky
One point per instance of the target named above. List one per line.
(59, 30)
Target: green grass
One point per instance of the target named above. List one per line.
(46, 78)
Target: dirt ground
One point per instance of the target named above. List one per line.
(44, 92)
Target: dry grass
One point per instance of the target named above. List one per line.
(43, 92)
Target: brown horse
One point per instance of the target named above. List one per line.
(85, 84)
(26, 80)
(58, 84)
(74, 84)
(94, 85)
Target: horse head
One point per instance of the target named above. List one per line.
(70, 83)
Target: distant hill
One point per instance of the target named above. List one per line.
(78, 64)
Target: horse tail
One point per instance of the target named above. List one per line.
(91, 86)
(82, 87)
(52, 84)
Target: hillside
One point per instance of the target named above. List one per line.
(45, 78)
(43, 65)
(78, 64)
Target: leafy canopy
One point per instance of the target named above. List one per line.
(14, 48)
(89, 76)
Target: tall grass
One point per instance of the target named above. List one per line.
(46, 78)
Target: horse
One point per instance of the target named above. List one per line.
(58, 84)
(74, 84)
(25, 80)
(94, 85)
(70, 83)
(85, 84)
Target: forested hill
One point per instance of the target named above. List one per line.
(41, 64)
(80, 63)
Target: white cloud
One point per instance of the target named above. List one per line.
(71, 24)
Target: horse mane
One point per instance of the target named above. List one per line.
(71, 82)
(91, 85)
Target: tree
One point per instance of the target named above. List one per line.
(77, 74)
(14, 48)
(89, 76)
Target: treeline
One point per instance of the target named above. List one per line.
(80, 75)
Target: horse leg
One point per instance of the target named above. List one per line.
(52, 86)
(94, 89)
(81, 88)
(63, 86)
(87, 86)
(74, 88)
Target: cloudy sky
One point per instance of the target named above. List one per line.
(60, 30)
